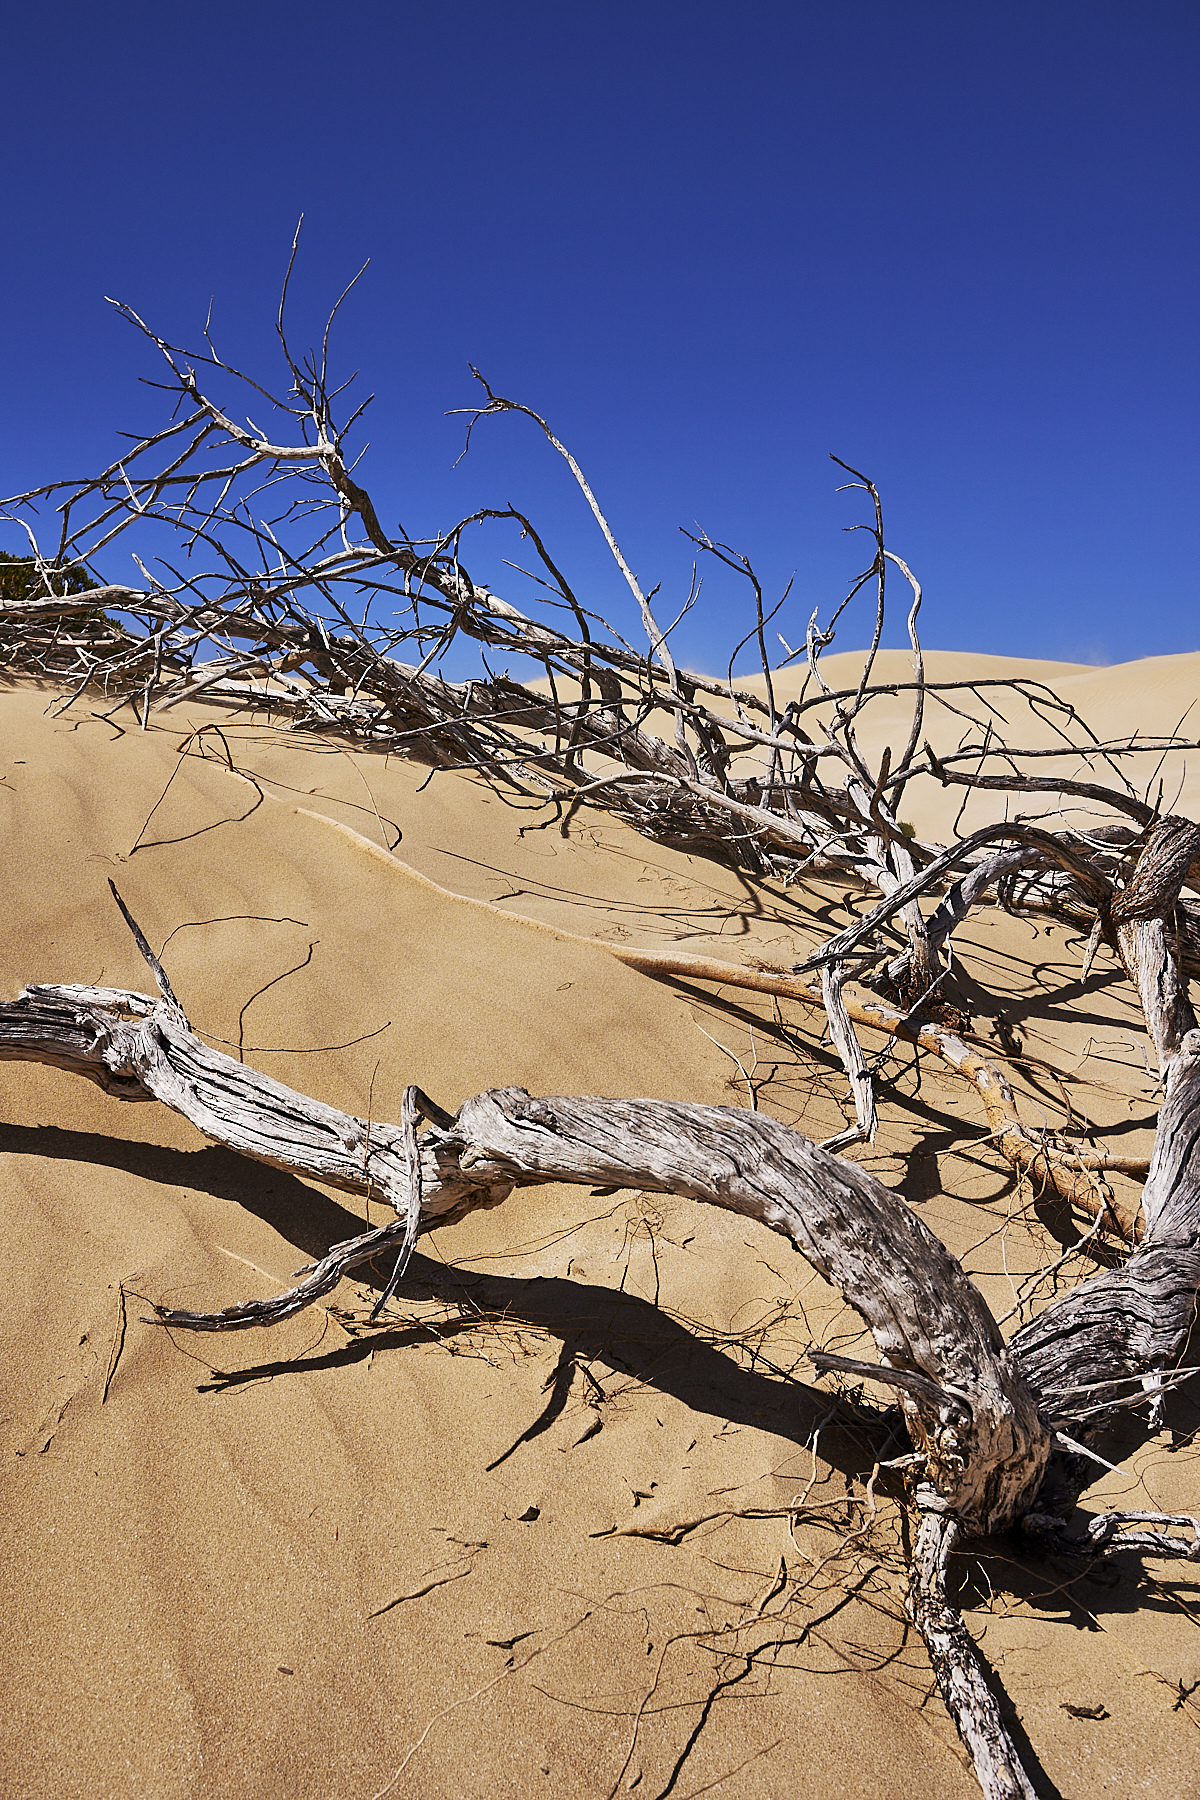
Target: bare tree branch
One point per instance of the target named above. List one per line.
(290, 597)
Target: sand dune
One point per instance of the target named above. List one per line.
(1157, 697)
(411, 1560)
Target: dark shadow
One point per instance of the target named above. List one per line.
(1043, 999)
(1057, 1218)
(592, 1323)
(625, 1333)
(299, 1213)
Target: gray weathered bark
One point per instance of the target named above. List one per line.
(982, 1416)
(969, 1410)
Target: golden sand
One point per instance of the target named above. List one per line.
(331, 1560)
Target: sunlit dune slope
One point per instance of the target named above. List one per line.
(497, 1545)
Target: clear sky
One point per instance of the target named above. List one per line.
(954, 242)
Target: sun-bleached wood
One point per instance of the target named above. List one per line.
(985, 1446)
(278, 615)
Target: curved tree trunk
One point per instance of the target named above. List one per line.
(978, 1413)
(982, 1416)
(967, 1406)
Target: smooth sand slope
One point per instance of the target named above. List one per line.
(1157, 697)
(336, 1560)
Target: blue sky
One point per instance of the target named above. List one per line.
(954, 243)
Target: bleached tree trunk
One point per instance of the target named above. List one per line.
(983, 1417)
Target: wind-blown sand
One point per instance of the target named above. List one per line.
(331, 1560)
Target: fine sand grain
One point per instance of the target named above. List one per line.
(530, 1534)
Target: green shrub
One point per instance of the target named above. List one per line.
(19, 579)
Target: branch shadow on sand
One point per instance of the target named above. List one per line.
(631, 1335)
(593, 1323)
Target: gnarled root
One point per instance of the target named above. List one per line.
(960, 1670)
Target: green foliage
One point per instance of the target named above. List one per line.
(19, 579)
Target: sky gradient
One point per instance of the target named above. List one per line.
(954, 243)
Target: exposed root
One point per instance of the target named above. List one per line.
(960, 1669)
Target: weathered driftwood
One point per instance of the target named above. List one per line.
(976, 1422)
(927, 1317)
(957, 1665)
(983, 1417)
(969, 1410)
(780, 791)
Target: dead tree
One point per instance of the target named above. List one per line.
(279, 609)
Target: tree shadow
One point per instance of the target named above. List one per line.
(626, 1333)
(591, 1322)
(307, 1218)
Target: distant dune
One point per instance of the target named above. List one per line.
(1155, 697)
